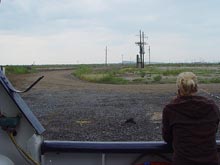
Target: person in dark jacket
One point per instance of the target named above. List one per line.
(190, 123)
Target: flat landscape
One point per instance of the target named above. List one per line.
(73, 109)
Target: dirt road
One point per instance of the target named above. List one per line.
(71, 109)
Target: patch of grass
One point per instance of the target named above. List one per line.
(19, 69)
(215, 80)
(169, 80)
(93, 77)
(151, 74)
(203, 80)
(110, 79)
(138, 80)
(127, 70)
(173, 72)
(106, 77)
(204, 71)
(82, 70)
(142, 73)
(209, 80)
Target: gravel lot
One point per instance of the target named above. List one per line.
(71, 109)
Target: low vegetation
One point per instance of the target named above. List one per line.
(19, 69)
(90, 74)
(151, 74)
(129, 74)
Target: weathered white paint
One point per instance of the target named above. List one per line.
(5, 160)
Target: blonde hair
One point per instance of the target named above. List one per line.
(187, 83)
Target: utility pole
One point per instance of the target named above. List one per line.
(106, 55)
(140, 57)
(143, 49)
(149, 53)
(122, 59)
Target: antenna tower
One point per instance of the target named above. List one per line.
(141, 43)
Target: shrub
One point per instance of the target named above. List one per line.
(142, 73)
(157, 78)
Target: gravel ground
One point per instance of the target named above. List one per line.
(71, 109)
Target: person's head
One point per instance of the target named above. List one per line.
(187, 84)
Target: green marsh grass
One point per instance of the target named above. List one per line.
(19, 69)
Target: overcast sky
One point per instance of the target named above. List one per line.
(71, 32)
